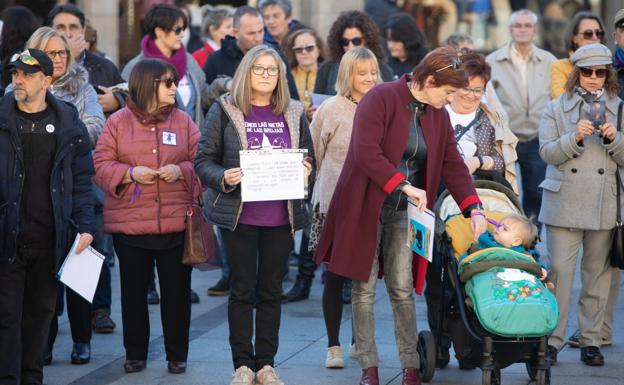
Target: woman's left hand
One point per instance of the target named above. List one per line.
(488, 163)
(307, 167)
(478, 225)
(608, 131)
(170, 173)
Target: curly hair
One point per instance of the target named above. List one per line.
(361, 21)
(611, 84)
(403, 28)
(290, 43)
(19, 24)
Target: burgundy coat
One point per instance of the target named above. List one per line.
(380, 134)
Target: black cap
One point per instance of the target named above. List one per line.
(25, 62)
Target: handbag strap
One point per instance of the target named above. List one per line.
(618, 180)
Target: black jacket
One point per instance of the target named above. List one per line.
(226, 60)
(70, 182)
(103, 72)
(219, 149)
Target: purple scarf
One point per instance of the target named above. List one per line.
(618, 58)
(178, 59)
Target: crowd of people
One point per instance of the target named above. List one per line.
(115, 158)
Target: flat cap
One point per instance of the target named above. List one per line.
(592, 55)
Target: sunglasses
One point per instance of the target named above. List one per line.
(168, 82)
(177, 30)
(308, 49)
(588, 72)
(260, 70)
(60, 53)
(356, 41)
(455, 63)
(25, 58)
(588, 33)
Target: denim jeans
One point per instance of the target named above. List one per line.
(533, 172)
(397, 260)
(221, 253)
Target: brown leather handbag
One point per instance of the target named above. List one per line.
(199, 248)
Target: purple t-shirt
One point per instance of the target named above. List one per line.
(265, 130)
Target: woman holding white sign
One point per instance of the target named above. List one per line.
(257, 115)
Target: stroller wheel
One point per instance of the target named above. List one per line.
(491, 377)
(542, 377)
(531, 371)
(427, 352)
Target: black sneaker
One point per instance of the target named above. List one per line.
(221, 288)
(551, 352)
(194, 297)
(591, 356)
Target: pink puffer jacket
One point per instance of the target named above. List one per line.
(160, 208)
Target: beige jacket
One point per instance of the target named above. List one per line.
(524, 109)
(331, 134)
(506, 142)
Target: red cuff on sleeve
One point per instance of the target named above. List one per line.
(393, 182)
(471, 199)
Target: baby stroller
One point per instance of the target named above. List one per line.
(450, 313)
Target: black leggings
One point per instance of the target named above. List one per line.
(332, 306)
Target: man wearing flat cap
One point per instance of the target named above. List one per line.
(45, 200)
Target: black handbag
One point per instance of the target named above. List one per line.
(617, 245)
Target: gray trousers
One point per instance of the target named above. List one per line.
(564, 245)
(397, 260)
(614, 292)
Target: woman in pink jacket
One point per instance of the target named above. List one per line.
(144, 164)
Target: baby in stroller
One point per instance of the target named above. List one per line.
(514, 232)
(500, 273)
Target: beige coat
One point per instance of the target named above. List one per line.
(506, 142)
(524, 111)
(331, 134)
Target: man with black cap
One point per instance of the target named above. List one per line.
(45, 200)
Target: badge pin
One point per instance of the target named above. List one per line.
(169, 138)
(50, 128)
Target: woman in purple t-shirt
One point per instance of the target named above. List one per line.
(257, 114)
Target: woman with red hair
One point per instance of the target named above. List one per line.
(402, 147)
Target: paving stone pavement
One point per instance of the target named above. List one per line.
(301, 356)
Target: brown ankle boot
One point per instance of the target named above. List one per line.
(370, 376)
(410, 377)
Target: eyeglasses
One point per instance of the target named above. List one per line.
(168, 82)
(25, 58)
(520, 26)
(467, 91)
(455, 63)
(260, 70)
(599, 72)
(589, 33)
(61, 53)
(307, 48)
(177, 30)
(356, 41)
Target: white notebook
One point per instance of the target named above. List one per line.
(81, 272)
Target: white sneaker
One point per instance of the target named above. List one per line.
(353, 351)
(243, 376)
(334, 358)
(267, 376)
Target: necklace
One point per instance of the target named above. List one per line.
(351, 99)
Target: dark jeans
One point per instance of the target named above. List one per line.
(306, 266)
(27, 305)
(533, 171)
(258, 257)
(78, 313)
(135, 265)
(103, 243)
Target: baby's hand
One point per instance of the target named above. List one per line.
(544, 274)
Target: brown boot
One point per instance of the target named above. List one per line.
(410, 377)
(370, 376)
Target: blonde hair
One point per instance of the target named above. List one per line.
(527, 229)
(348, 66)
(40, 38)
(241, 83)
